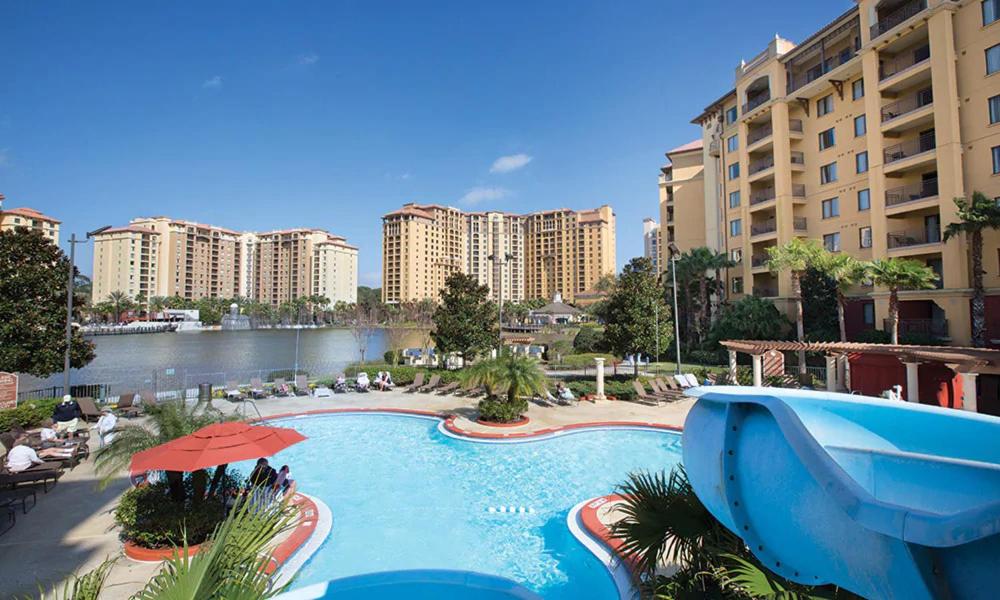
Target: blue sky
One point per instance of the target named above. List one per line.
(260, 115)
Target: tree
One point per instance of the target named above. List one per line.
(819, 306)
(845, 272)
(33, 306)
(508, 380)
(795, 256)
(634, 312)
(120, 302)
(693, 268)
(363, 326)
(465, 321)
(899, 274)
(975, 216)
(749, 318)
(588, 339)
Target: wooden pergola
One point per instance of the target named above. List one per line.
(966, 362)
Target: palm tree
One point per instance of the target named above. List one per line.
(975, 217)
(165, 422)
(796, 255)
(510, 376)
(846, 272)
(899, 274)
(119, 302)
(157, 304)
(695, 265)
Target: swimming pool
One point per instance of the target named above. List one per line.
(404, 495)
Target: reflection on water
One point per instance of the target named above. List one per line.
(174, 359)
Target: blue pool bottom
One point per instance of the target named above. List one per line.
(424, 584)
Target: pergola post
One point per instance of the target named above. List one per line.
(758, 370)
(969, 401)
(732, 367)
(600, 379)
(912, 381)
(843, 373)
(831, 373)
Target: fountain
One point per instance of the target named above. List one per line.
(234, 321)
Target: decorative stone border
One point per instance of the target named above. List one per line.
(140, 554)
(588, 529)
(522, 421)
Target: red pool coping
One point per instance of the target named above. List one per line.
(308, 520)
(520, 422)
(600, 532)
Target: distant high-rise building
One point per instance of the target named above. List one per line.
(651, 241)
(126, 259)
(30, 218)
(561, 251)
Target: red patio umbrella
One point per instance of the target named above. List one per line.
(214, 445)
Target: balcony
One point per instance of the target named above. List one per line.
(921, 327)
(762, 291)
(758, 261)
(759, 133)
(795, 126)
(916, 237)
(763, 228)
(888, 20)
(904, 70)
(798, 190)
(762, 195)
(799, 80)
(923, 143)
(755, 101)
(913, 111)
(798, 161)
(761, 164)
(908, 194)
(800, 224)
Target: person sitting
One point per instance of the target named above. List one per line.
(22, 456)
(362, 383)
(66, 414)
(47, 433)
(105, 427)
(282, 481)
(263, 474)
(340, 386)
(387, 381)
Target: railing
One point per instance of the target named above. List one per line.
(904, 12)
(798, 158)
(760, 133)
(758, 260)
(797, 80)
(798, 190)
(799, 223)
(916, 237)
(929, 327)
(907, 105)
(713, 147)
(764, 227)
(755, 101)
(95, 390)
(924, 143)
(760, 164)
(927, 188)
(762, 195)
(795, 125)
(891, 66)
(765, 292)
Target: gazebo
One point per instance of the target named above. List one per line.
(556, 312)
(953, 368)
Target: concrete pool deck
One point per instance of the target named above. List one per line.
(71, 529)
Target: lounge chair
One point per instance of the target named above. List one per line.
(692, 380)
(449, 388)
(281, 387)
(431, 385)
(302, 386)
(682, 381)
(469, 391)
(233, 393)
(418, 382)
(665, 392)
(257, 388)
(88, 408)
(13, 497)
(644, 397)
(126, 405)
(42, 474)
(147, 397)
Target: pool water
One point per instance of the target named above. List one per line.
(406, 496)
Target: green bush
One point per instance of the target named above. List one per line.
(499, 410)
(589, 340)
(705, 357)
(28, 414)
(401, 374)
(392, 357)
(150, 519)
(582, 361)
(619, 386)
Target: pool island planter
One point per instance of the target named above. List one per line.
(519, 423)
(155, 555)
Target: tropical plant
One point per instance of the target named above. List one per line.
(975, 216)
(637, 319)
(120, 302)
(87, 586)
(509, 379)
(588, 339)
(845, 272)
(692, 271)
(795, 256)
(749, 318)
(465, 322)
(899, 274)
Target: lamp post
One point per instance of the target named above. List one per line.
(503, 260)
(71, 276)
(674, 252)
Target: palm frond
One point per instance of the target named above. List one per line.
(82, 587)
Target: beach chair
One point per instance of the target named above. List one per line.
(13, 497)
(665, 392)
(88, 408)
(644, 397)
(281, 387)
(126, 405)
(449, 388)
(257, 388)
(147, 397)
(233, 393)
(39, 474)
(667, 384)
(418, 382)
(431, 385)
(692, 380)
(302, 386)
(682, 381)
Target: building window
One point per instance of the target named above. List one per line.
(861, 161)
(826, 139)
(995, 107)
(996, 159)
(860, 125)
(831, 208)
(864, 199)
(734, 170)
(991, 10)
(732, 143)
(731, 116)
(737, 285)
(865, 237)
(828, 173)
(831, 242)
(993, 59)
(868, 313)
(858, 89)
(735, 227)
(734, 199)
(736, 255)
(824, 105)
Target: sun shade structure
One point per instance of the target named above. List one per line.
(216, 444)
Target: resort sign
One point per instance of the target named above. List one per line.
(8, 390)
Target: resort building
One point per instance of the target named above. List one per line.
(651, 242)
(560, 251)
(861, 136)
(690, 220)
(160, 256)
(11, 218)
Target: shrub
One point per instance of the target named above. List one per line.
(28, 414)
(581, 361)
(705, 357)
(496, 410)
(619, 386)
(588, 340)
(401, 374)
(392, 357)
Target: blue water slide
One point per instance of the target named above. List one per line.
(886, 499)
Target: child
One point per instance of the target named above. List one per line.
(282, 482)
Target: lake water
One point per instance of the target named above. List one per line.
(174, 360)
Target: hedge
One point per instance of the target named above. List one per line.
(28, 414)
(401, 375)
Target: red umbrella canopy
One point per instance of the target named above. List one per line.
(216, 444)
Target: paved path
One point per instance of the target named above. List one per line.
(71, 528)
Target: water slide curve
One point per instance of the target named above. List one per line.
(885, 499)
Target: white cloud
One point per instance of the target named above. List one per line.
(309, 58)
(512, 162)
(212, 83)
(481, 194)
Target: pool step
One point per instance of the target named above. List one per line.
(511, 509)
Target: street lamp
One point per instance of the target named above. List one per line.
(674, 253)
(69, 299)
(503, 260)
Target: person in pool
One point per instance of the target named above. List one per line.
(282, 482)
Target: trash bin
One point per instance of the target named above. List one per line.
(204, 393)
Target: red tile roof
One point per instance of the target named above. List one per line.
(688, 147)
(30, 213)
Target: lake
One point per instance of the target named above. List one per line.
(174, 360)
